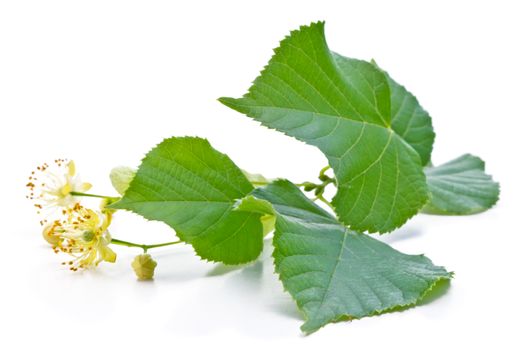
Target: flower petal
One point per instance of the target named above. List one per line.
(66, 189)
(85, 186)
(107, 254)
(71, 168)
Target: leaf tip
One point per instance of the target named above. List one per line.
(231, 102)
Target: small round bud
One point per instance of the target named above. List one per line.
(144, 267)
(323, 177)
(319, 191)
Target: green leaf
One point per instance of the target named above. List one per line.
(343, 107)
(411, 121)
(460, 187)
(408, 118)
(190, 186)
(335, 273)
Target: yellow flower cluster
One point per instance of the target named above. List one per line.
(80, 232)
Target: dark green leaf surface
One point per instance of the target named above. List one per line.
(343, 107)
(333, 272)
(411, 121)
(408, 118)
(460, 187)
(190, 186)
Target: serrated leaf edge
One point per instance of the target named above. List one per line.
(178, 234)
(440, 212)
(449, 276)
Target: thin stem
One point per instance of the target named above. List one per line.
(145, 247)
(324, 170)
(325, 201)
(80, 194)
(162, 244)
(126, 243)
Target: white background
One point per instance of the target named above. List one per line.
(101, 82)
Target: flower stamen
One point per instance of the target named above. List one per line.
(51, 186)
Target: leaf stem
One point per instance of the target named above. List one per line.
(145, 247)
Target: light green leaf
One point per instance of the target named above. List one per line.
(268, 223)
(335, 273)
(343, 107)
(255, 205)
(460, 187)
(256, 179)
(190, 186)
(121, 177)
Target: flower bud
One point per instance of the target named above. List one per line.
(323, 177)
(144, 267)
(309, 186)
(49, 235)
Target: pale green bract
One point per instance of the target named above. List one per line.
(332, 272)
(460, 187)
(375, 140)
(121, 177)
(255, 179)
(190, 186)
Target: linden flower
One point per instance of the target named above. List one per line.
(51, 187)
(82, 234)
